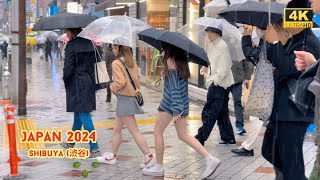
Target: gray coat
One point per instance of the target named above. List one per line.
(242, 70)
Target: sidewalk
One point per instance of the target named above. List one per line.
(46, 111)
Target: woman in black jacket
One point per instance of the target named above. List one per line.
(284, 136)
(78, 77)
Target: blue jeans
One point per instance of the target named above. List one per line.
(85, 120)
(236, 91)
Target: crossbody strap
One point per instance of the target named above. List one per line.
(131, 80)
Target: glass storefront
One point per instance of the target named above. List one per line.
(164, 15)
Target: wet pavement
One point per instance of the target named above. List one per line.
(46, 111)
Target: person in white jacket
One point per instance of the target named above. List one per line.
(218, 83)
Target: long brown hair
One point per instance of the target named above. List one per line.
(180, 59)
(126, 53)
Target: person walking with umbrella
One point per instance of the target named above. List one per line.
(4, 49)
(304, 61)
(48, 48)
(78, 77)
(126, 85)
(175, 107)
(218, 83)
(287, 125)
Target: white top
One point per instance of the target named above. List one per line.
(220, 65)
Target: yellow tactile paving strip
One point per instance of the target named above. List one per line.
(110, 124)
(21, 124)
(29, 124)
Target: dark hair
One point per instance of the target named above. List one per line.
(75, 31)
(180, 59)
(214, 30)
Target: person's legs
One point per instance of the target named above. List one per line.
(186, 138)
(270, 147)
(291, 137)
(212, 163)
(131, 124)
(88, 125)
(46, 55)
(77, 124)
(50, 54)
(236, 91)
(163, 120)
(255, 127)
(117, 135)
(210, 112)
(225, 126)
(108, 92)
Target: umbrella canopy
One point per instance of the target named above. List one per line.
(154, 37)
(41, 39)
(121, 30)
(63, 21)
(230, 34)
(51, 35)
(216, 6)
(63, 38)
(254, 13)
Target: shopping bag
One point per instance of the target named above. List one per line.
(100, 71)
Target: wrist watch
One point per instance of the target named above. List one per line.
(275, 42)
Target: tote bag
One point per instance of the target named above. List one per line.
(100, 71)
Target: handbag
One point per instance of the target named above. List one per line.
(138, 95)
(260, 100)
(100, 71)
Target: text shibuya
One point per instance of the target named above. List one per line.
(45, 153)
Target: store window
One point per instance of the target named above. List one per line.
(160, 15)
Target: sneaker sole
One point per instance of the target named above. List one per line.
(158, 174)
(242, 154)
(214, 170)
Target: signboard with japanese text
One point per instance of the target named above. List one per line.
(159, 19)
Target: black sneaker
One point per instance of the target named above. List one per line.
(230, 142)
(243, 152)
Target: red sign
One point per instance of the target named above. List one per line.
(159, 19)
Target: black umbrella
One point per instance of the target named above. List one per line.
(254, 13)
(63, 21)
(154, 37)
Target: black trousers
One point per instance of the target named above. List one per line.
(282, 147)
(216, 108)
(48, 54)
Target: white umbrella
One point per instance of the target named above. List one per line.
(121, 30)
(216, 6)
(41, 39)
(51, 35)
(230, 34)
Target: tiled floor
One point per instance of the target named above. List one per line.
(46, 105)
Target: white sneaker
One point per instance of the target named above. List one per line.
(156, 170)
(212, 165)
(107, 158)
(148, 161)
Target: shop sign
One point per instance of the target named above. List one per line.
(159, 19)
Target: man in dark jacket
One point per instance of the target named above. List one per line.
(284, 136)
(108, 56)
(48, 49)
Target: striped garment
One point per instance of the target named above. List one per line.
(175, 100)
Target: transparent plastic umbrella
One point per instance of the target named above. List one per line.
(121, 30)
(63, 38)
(51, 35)
(214, 7)
(195, 31)
(41, 39)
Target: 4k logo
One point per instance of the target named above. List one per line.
(298, 18)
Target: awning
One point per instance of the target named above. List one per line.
(107, 4)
